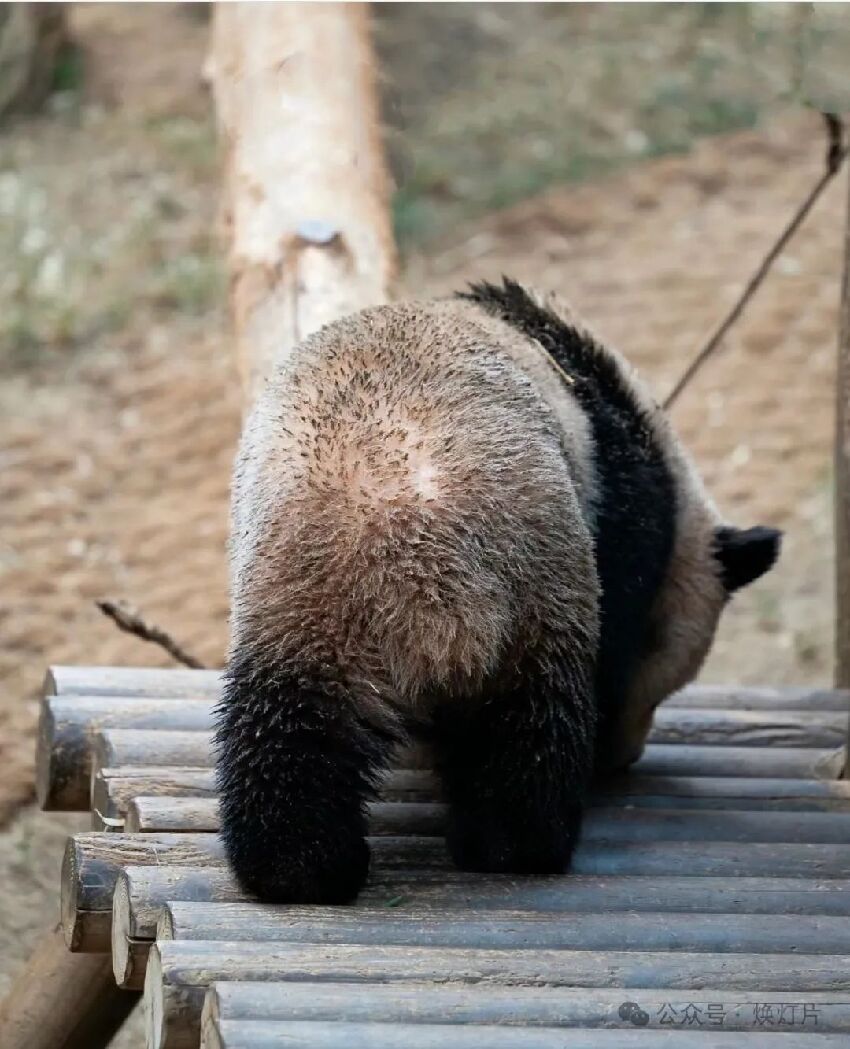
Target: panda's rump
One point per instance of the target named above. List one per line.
(428, 527)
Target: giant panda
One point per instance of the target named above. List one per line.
(463, 521)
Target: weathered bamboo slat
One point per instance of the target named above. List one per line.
(609, 823)
(272, 1034)
(115, 790)
(760, 697)
(572, 892)
(165, 813)
(483, 1004)
(553, 930)
(179, 971)
(717, 802)
(157, 885)
(714, 859)
(748, 728)
(112, 790)
(729, 791)
(131, 681)
(114, 748)
(683, 824)
(128, 747)
(67, 725)
(153, 681)
(201, 814)
(770, 762)
(146, 815)
(143, 748)
(150, 814)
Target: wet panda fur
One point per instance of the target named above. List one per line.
(463, 521)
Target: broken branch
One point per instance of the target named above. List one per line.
(129, 619)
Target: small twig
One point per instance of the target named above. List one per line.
(130, 620)
(836, 154)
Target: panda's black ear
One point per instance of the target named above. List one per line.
(745, 553)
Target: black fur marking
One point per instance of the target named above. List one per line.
(635, 522)
(295, 770)
(515, 768)
(745, 554)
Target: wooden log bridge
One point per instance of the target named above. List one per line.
(709, 899)
(708, 906)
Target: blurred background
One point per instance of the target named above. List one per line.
(639, 158)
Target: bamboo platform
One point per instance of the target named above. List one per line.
(708, 906)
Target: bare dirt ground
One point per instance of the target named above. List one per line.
(119, 400)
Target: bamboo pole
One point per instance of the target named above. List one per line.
(306, 190)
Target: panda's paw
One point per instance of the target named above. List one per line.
(305, 871)
(490, 845)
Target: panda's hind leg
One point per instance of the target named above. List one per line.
(515, 767)
(297, 764)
